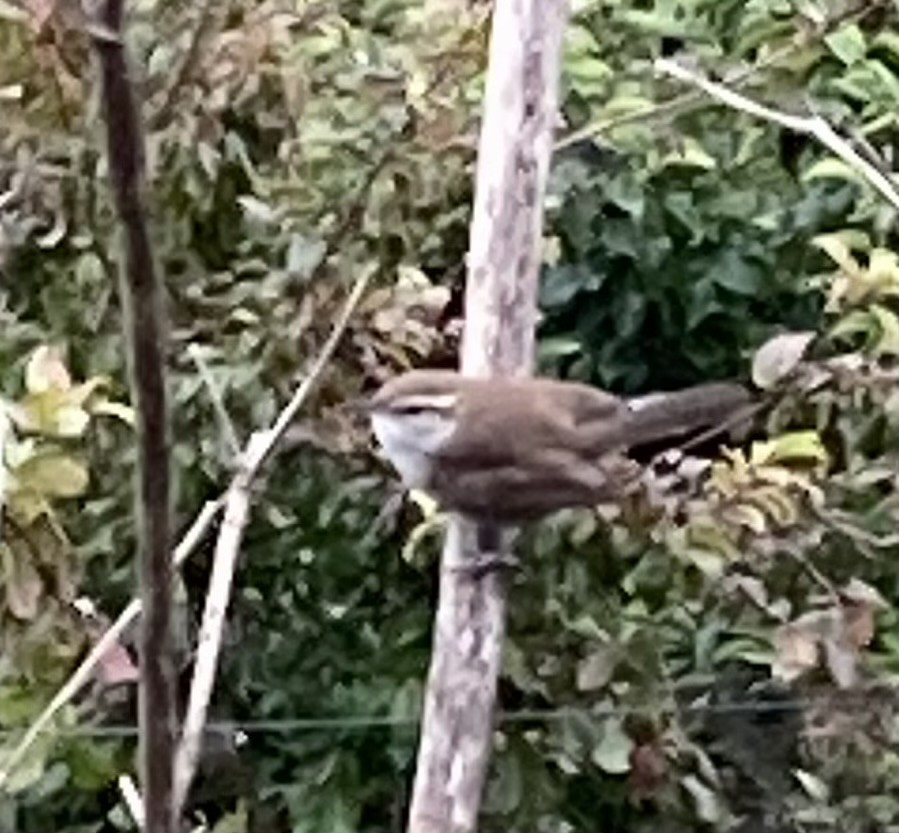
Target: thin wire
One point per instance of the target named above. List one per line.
(294, 725)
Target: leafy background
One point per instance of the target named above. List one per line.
(718, 653)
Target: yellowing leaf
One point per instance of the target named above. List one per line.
(26, 506)
(45, 370)
(71, 421)
(710, 536)
(837, 247)
(710, 564)
(777, 358)
(776, 504)
(52, 474)
(832, 168)
(888, 343)
(22, 584)
(115, 409)
(857, 321)
(883, 271)
(747, 516)
(430, 526)
(797, 446)
(424, 502)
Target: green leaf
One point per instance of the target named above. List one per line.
(257, 210)
(847, 43)
(690, 155)
(235, 822)
(304, 255)
(507, 786)
(833, 168)
(613, 753)
(736, 273)
(857, 321)
(30, 768)
(814, 787)
(711, 564)
(89, 270)
(708, 806)
(596, 669)
(93, 765)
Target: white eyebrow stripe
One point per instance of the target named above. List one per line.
(436, 402)
(640, 403)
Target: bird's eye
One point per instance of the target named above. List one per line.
(411, 410)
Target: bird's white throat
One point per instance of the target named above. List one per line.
(410, 440)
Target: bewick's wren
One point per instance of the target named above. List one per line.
(506, 451)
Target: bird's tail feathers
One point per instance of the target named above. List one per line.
(667, 415)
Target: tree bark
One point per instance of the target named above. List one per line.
(520, 110)
(142, 303)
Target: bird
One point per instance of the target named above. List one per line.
(507, 451)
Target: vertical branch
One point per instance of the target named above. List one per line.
(500, 312)
(142, 303)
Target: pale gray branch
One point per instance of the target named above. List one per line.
(113, 634)
(218, 400)
(813, 126)
(520, 106)
(237, 509)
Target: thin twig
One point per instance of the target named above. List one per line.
(237, 506)
(4, 433)
(813, 126)
(691, 100)
(132, 799)
(823, 581)
(218, 400)
(83, 672)
(677, 105)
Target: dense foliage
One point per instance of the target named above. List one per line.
(717, 653)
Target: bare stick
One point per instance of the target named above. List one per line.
(237, 507)
(144, 323)
(520, 109)
(4, 433)
(132, 799)
(85, 670)
(813, 126)
(218, 401)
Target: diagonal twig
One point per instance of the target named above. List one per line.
(813, 126)
(237, 509)
(83, 672)
(218, 400)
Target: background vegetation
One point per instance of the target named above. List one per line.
(718, 654)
